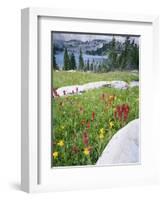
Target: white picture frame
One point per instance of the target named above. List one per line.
(36, 171)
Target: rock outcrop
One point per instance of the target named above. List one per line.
(78, 89)
(123, 148)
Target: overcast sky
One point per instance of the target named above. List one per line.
(88, 37)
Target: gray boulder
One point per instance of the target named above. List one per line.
(123, 148)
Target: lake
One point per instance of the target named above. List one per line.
(91, 58)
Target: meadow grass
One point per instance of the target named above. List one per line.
(82, 125)
(63, 78)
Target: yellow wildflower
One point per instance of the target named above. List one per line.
(60, 143)
(111, 124)
(101, 136)
(86, 151)
(102, 131)
(55, 154)
(111, 98)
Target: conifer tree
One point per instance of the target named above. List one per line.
(81, 61)
(91, 66)
(55, 67)
(134, 60)
(124, 58)
(72, 62)
(112, 54)
(88, 64)
(66, 60)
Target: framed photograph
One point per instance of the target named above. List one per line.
(88, 93)
(95, 87)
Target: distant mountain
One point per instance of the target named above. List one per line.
(59, 45)
(76, 45)
(103, 50)
(91, 47)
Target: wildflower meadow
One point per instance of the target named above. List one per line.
(83, 124)
(87, 109)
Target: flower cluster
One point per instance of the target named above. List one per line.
(101, 133)
(111, 124)
(93, 116)
(60, 143)
(121, 112)
(111, 98)
(87, 151)
(55, 154)
(85, 138)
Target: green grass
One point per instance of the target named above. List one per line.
(71, 114)
(63, 78)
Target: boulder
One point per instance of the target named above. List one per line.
(134, 84)
(78, 89)
(123, 148)
(119, 84)
(96, 85)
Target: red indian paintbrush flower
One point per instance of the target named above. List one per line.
(88, 124)
(85, 138)
(93, 116)
(125, 111)
(121, 112)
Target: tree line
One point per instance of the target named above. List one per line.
(69, 61)
(121, 56)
